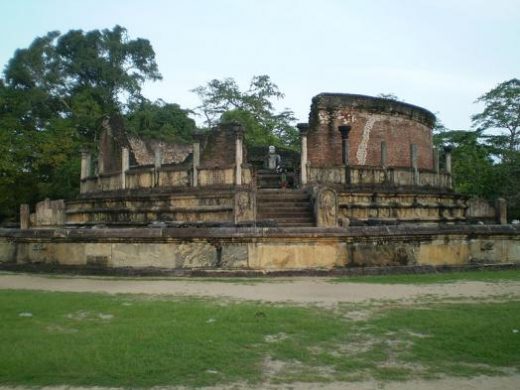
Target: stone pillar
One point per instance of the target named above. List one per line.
(345, 130)
(125, 165)
(303, 127)
(157, 163)
(196, 163)
(501, 211)
(101, 163)
(436, 162)
(239, 155)
(413, 161)
(384, 156)
(25, 217)
(157, 158)
(85, 164)
(447, 150)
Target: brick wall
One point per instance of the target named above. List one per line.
(373, 120)
(172, 153)
(218, 148)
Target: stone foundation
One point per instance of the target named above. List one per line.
(263, 248)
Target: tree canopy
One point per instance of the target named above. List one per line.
(53, 95)
(486, 161)
(160, 120)
(502, 112)
(222, 101)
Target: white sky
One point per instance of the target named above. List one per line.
(438, 54)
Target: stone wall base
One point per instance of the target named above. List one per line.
(264, 249)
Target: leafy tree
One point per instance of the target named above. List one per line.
(222, 100)
(82, 75)
(160, 120)
(473, 168)
(501, 111)
(52, 97)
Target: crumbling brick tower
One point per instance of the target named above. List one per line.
(382, 132)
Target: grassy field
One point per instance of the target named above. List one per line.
(446, 277)
(136, 341)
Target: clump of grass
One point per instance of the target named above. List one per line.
(132, 341)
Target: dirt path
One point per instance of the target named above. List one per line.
(300, 290)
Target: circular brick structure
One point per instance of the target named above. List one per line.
(376, 124)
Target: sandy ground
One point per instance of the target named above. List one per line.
(300, 291)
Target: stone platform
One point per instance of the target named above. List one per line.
(250, 248)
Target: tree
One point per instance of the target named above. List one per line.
(52, 97)
(473, 168)
(82, 76)
(222, 100)
(501, 111)
(160, 120)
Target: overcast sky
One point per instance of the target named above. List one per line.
(438, 54)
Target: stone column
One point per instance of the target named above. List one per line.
(303, 128)
(447, 150)
(157, 163)
(101, 163)
(85, 164)
(413, 162)
(384, 155)
(239, 156)
(157, 158)
(196, 162)
(501, 211)
(436, 163)
(25, 217)
(125, 165)
(345, 130)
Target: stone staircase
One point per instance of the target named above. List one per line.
(267, 178)
(285, 207)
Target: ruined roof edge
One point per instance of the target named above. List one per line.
(372, 103)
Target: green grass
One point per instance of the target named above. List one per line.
(451, 277)
(135, 341)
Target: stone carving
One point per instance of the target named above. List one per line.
(273, 160)
(326, 208)
(245, 206)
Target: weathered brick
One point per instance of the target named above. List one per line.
(373, 121)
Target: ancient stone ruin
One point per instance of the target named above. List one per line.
(367, 188)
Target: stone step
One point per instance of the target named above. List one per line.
(285, 210)
(284, 205)
(283, 197)
(288, 212)
(278, 215)
(300, 204)
(297, 224)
